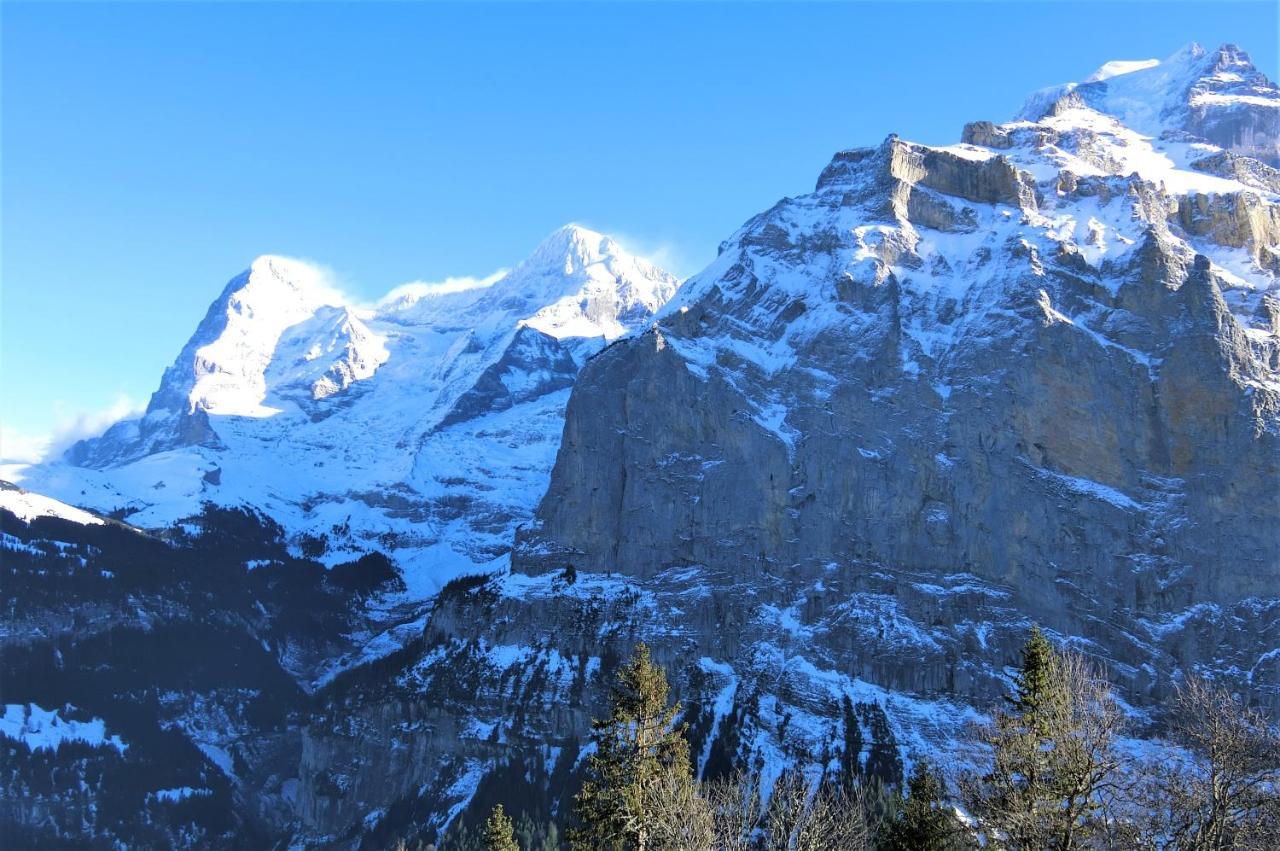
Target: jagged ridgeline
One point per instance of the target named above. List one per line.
(831, 481)
(426, 423)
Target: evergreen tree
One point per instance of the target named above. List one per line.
(925, 823)
(1034, 683)
(498, 832)
(851, 755)
(1054, 756)
(641, 753)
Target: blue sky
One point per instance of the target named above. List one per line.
(150, 151)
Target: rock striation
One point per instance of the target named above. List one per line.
(1044, 359)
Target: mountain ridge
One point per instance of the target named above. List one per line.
(283, 366)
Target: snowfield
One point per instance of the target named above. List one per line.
(424, 426)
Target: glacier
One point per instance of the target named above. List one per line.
(424, 425)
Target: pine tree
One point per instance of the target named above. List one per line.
(925, 823)
(851, 755)
(640, 753)
(1034, 682)
(498, 832)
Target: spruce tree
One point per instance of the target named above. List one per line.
(640, 752)
(498, 834)
(925, 823)
(1054, 755)
(1034, 683)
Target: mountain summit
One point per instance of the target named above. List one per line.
(579, 283)
(358, 426)
(1216, 96)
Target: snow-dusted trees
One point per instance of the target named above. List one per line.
(1218, 787)
(1055, 779)
(1059, 781)
(1053, 755)
(641, 758)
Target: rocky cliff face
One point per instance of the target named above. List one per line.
(1041, 364)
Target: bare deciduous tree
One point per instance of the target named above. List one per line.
(680, 819)
(841, 822)
(1219, 786)
(831, 819)
(735, 811)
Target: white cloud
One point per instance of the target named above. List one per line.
(661, 253)
(406, 294)
(19, 447)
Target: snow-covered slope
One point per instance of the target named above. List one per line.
(427, 423)
(1218, 97)
(27, 506)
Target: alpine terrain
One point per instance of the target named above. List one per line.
(360, 572)
(424, 424)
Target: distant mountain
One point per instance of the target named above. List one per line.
(426, 424)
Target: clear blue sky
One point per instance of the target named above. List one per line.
(150, 151)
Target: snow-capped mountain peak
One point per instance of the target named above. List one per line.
(1217, 96)
(431, 419)
(222, 369)
(571, 249)
(576, 283)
